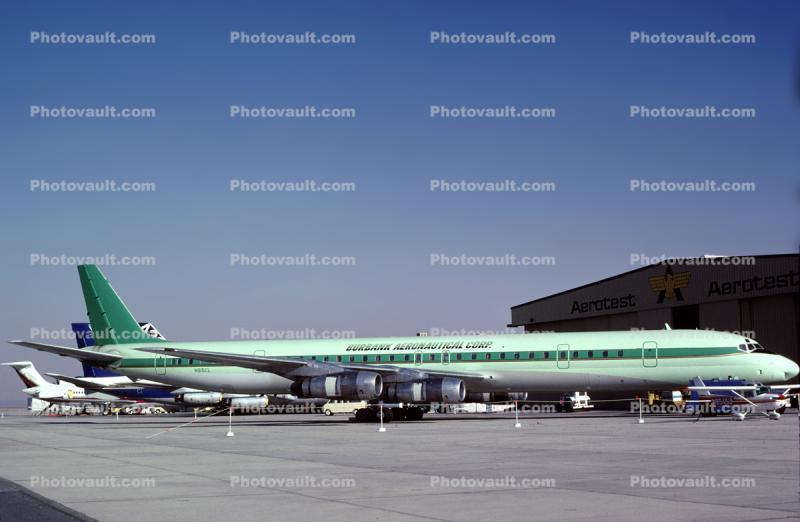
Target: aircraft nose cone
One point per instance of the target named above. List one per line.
(792, 369)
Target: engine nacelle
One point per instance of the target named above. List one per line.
(200, 398)
(497, 397)
(249, 403)
(444, 389)
(359, 386)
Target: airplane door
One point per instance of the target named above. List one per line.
(160, 363)
(650, 354)
(446, 357)
(259, 353)
(562, 356)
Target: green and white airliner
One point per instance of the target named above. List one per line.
(419, 369)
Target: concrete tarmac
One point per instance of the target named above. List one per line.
(598, 465)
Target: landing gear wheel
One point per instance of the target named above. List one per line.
(414, 414)
(363, 415)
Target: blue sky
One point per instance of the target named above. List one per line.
(391, 150)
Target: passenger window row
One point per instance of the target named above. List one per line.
(474, 356)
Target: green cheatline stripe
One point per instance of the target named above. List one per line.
(466, 357)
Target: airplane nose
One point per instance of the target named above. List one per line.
(791, 369)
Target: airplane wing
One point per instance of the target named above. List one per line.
(94, 384)
(292, 368)
(64, 351)
(77, 381)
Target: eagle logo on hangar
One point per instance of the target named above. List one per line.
(669, 285)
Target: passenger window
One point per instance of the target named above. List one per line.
(531, 355)
(458, 357)
(620, 353)
(326, 358)
(488, 356)
(590, 354)
(406, 357)
(338, 358)
(546, 355)
(391, 358)
(352, 358)
(474, 356)
(431, 357)
(574, 355)
(377, 358)
(502, 355)
(605, 353)
(516, 355)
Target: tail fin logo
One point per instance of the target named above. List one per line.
(150, 329)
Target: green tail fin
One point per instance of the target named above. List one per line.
(110, 319)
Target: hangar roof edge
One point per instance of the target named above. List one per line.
(629, 272)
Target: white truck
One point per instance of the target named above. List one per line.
(349, 407)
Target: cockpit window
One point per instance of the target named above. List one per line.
(753, 346)
(761, 349)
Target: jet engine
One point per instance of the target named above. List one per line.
(358, 386)
(444, 389)
(200, 398)
(249, 403)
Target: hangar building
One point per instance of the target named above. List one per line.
(755, 296)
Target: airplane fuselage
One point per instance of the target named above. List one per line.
(612, 361)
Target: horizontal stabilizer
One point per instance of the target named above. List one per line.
(75, 353)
